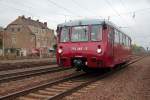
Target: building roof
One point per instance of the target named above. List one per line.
(28, 21)
(1, 29)
(1, 34)
(33, 26)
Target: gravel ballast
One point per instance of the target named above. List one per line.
(131, 83)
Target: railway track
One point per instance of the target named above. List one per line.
(63, 87)
(19, 65)
(12, 75)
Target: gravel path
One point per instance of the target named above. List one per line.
(131, 83)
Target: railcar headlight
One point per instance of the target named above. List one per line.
(59, 50)
(99, 50)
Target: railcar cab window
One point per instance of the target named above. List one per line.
(96, 33)
(111, 35)
(79, 33)
(64, 35)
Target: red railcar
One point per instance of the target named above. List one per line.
(91, 43)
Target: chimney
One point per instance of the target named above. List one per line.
(23, 17)
(19, 16)
(29, 18)
(45, 24)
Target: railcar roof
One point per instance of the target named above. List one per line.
(88, 22)
(82, 22)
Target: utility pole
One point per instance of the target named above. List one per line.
(108, 18)
(35, 39)
(147, 48)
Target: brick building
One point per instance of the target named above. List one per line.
(1, 40)
(24, 36)
(1, 33)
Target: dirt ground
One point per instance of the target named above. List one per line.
(131, 83)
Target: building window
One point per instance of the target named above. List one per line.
(32, 38)
(38, 39)
(14, 40)
(12, 29)
(18, 29)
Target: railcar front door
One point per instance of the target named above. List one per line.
(111, 44)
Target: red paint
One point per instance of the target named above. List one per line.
(111, 54)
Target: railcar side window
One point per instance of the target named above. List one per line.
(116, 36)
(96, 33)
(64, 37)
(119, 35)
(111, 35)
(124, 39)
(121, 38)
(127, 41)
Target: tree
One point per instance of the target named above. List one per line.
(138, 49)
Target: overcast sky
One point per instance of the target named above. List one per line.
(132, 15)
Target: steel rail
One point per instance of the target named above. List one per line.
(14, 66)
(35, 88)
(56, 82)
(70, 91)
(31, 73)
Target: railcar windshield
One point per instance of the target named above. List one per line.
(96, 33)
(79, 33)
(64, 36)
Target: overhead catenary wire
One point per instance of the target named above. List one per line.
(61, 7)
(124, 6)
(118, 14)
(33, 7)
(113, 8)
(28, 12)
(84, 8)
(107, 1)
(122, 3)
(131, 12)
